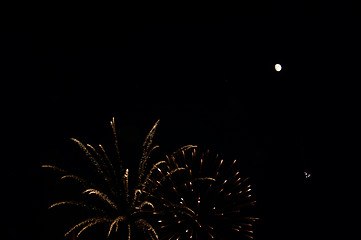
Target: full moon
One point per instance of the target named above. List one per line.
(278, 67)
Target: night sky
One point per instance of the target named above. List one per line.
(207, 74)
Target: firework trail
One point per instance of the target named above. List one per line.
(185, 196)
(202, 197)
(118, 202)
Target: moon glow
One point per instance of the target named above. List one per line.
(278, 67)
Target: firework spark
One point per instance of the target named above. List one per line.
(119, 203)
(202, 198)
(184, 196)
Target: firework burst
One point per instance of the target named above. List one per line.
(118, 202)
(202, 197)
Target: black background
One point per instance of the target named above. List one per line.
(208, 74)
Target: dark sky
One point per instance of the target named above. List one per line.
(208, 74)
